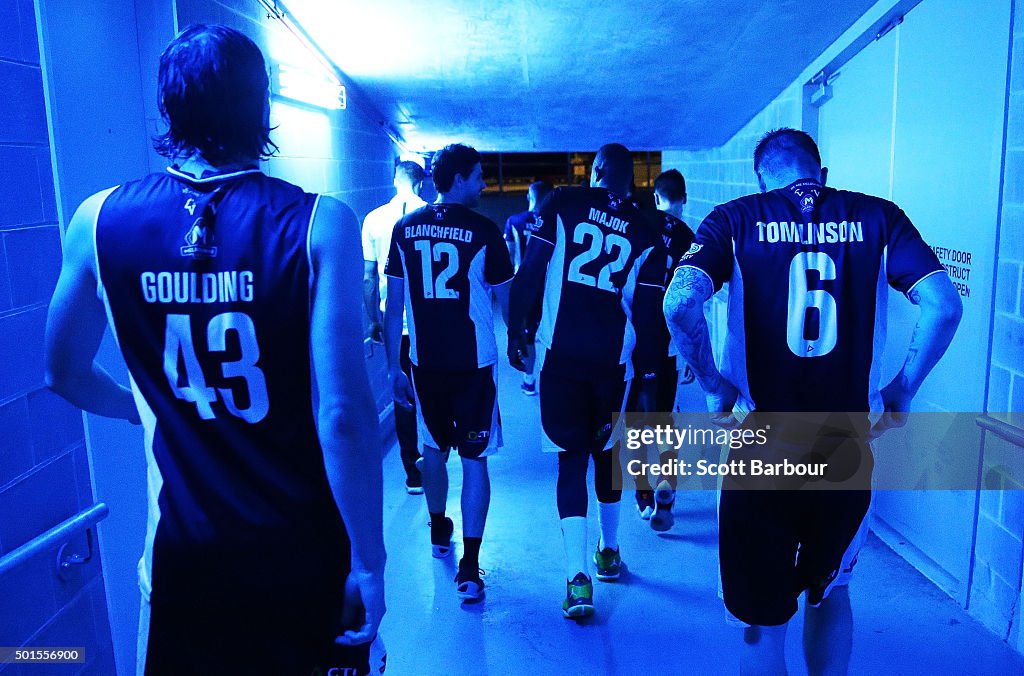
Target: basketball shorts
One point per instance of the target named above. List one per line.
(458, 409)
(577, 401)
(779, 537)
(249, 612)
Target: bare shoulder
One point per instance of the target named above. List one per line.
(80, 237)
(335, 227)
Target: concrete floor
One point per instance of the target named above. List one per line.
(663, 617)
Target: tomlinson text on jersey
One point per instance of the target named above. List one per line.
(438, 232)
(598, 216)
(197, 287)
(810, 233)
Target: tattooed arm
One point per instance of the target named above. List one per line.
(684, 312)
(941, 310)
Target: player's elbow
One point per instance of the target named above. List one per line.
(58, 377)
(676, 309)
(941, 303)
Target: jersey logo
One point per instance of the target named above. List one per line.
(694, 248)
(199, 242)
(807, 193)
(614, 202)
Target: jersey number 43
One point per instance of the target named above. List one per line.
(180, 350)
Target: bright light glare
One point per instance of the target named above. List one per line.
(316, 89)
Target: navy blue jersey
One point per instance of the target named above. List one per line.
(604, 247)
(677, 238)
(208, 288)
(518, 228)
(449, 256)
(808, 268)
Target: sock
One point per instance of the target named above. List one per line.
(471, 552)
(574, 538)
(609, 514)
(438, 526)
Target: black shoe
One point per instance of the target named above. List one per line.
(441, 538)
(645, 504)
(469, 584)
(414, 486)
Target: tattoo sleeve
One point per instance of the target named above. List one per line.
(684, 312)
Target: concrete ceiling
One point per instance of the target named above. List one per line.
(550, 75)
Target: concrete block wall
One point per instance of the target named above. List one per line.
(720, 174)
(724, 173)
(997, 593)
(44, 470)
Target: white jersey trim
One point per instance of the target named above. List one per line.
(211, 179)
(154, 479)
(912, 286)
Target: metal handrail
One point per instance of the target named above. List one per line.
(1003, 430)
(82, 521)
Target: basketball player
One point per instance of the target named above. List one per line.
(807, 268)
(377, 228)
(234, 299)
(446, 260)
(669, 199)
(518, 228)
(598, 262)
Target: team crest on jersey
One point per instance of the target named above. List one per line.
(199, 241)
(694, 248)
(808, 193)
(614, 202)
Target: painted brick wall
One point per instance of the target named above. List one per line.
(44, 471)
(996, 593)
(717, 175)
(724, 173)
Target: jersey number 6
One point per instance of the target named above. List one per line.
(178, 343)
(804, 305)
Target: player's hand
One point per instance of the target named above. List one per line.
(364, 607)
(646, 401)
(721, 401)
(375, 332)
(401, 389)
(518, 351)
(897, 402)
(688, 375)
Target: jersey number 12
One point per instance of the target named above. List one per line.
(437, 288)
